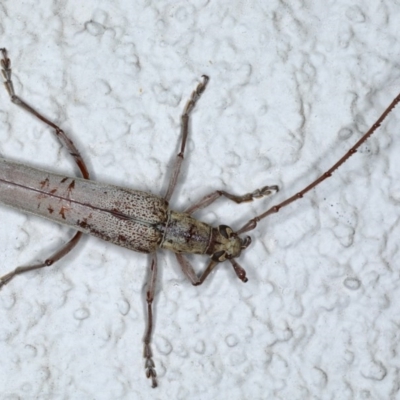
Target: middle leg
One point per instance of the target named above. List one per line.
(190, 273)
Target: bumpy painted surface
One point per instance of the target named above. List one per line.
(125, 217)
(292, 86)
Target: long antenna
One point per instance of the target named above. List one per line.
(250, 225)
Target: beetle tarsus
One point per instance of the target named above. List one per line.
(147, 353)
(149, 365)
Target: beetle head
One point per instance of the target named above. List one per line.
(227, 245)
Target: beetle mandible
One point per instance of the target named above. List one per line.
(134, 219)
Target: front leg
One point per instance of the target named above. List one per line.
(188, 270)
(184, 133)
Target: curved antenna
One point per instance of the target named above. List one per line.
(250, 225)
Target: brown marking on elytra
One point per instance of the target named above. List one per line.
(118, 214)
(62, 211)
(64, 180)
(50, 210)
(52, 191)
(44, 183)
(71, 186)
(84, 225)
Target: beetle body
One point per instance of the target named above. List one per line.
(129, 218)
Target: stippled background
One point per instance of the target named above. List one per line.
(292, 87)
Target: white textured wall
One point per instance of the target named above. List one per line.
(292, 86)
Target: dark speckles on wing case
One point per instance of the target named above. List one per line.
(136, 236)
(128, 218)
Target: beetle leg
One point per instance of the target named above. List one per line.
(210, 198)
(188, 270)
(47, 263)
(60, 134)
(147, 353)
(184, 133)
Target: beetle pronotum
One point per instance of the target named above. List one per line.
(137, 220)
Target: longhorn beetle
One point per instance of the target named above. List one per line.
(137, 220)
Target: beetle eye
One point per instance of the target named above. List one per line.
(218, 256)
(225, 231)
(246, 242)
